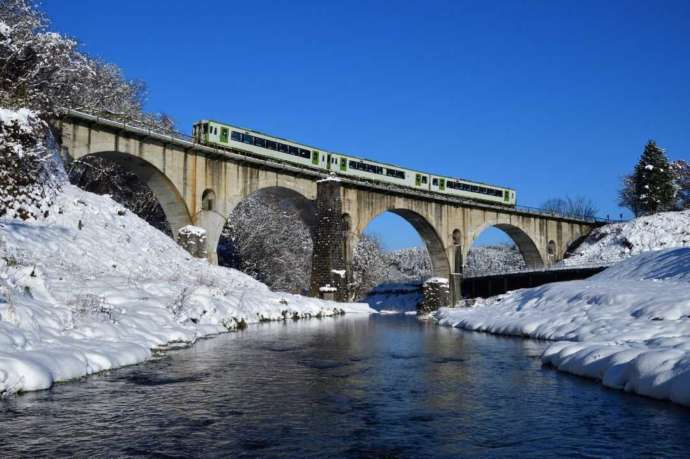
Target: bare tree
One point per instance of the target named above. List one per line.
(268, 240)
(408, 265)
(578, 206)
(493, 259)
(681, 183)
(369, 268)
(627, 195)
(30, 173)
(46, 71)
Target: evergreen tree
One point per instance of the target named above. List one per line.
(653, 181)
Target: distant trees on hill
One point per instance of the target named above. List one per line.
(656, 184)
(578, 206)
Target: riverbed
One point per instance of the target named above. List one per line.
(379, 386)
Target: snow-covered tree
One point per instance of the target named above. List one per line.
(494, 259)
(578, 206)
(46, 71)
(653, 181)
(30, 172)
(369, 268)
(681, 182)
(407, 265)
(268, 240)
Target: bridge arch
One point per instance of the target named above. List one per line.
(527, 247)
(165, 191)
(272, 237)
(432, 240)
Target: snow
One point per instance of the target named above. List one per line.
(91, 287)
(628, 326)
(327, 288)
(330, 178)
(615, 242)
(23, 117)
(436, 280)
(4, 29)
(339, 272)
(192, 230)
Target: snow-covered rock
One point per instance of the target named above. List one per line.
(628, 326)
(618, 241)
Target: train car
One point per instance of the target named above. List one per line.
(258, 144)
(262, 145)
(473, 190)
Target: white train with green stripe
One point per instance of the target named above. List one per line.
(266, 146)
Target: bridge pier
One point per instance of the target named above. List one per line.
(329, 269)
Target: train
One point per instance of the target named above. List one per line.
(258, 144)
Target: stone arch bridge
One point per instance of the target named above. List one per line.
(200, 185)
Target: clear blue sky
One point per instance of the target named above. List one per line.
(552, 98)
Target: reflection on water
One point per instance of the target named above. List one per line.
(388, 386)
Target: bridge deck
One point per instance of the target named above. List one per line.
(186, 143)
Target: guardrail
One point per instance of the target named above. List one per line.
(188, 141)
(557, 267)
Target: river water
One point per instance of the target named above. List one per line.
(385, 386)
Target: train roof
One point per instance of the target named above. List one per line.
(349, 155)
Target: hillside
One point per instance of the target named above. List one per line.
(618, 241)
(87, 286)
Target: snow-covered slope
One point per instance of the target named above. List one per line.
(91, 287)
(618, 241)
(94, 287)
(628, 326)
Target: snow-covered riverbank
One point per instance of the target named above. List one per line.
(91, 286)
(76, 301)
(628, 326)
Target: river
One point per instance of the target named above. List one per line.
(385, 386)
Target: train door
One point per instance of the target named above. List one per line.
(224, 134)
(329, 160)
(418, 180)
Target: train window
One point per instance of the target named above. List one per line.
(282, 148)
(396, 173)
(236, 136)
(205, 128)
(304, 153)
(259, 142)
(246, 138)
(293, 150)
(424, 178)
(434, 182)
(270, 144)
(474, 188)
